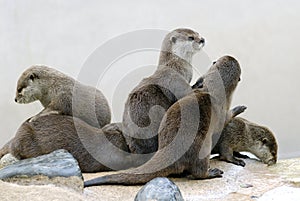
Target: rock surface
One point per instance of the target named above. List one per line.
(58, 167)
(255, 182)
(160, 189)
(6, 160)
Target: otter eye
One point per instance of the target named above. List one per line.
(265, 141)
(214, 62)
(19, 90)
(33, 76)
(191, 38)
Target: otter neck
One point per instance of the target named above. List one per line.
(181, 65)
(45, 101)
(48, 90)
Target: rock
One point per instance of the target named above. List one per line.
(58, 167)
(7, 159)
(159, 189)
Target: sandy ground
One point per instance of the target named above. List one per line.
(254, 182)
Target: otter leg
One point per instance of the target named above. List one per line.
(226, 154)
(239, 155)
(201, 170)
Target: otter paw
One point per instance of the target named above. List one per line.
(238, 110)
(198, 84)
(32, 119)
(239, 155)
(213, 173)
(239, 162)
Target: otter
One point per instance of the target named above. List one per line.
(186, 130)
(148, 101)
(94, 149)
(61, 94)
(243, 135)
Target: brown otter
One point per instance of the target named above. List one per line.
(61, 94)
(94, 149)
(185, 133)
(243, 135)
(147, 103)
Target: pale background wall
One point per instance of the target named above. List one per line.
(262, 35)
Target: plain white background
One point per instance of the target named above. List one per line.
(262, 35)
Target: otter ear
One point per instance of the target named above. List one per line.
(33, 76)
(264, 140)
(173, 39)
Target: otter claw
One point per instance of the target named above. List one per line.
(213, 173)
(239, 162)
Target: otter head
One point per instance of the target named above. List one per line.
(29, 86)
(230, 72)
(221, 79)
(183, 43)
(265, 145)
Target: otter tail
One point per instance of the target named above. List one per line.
(122, 179)
(139, 175)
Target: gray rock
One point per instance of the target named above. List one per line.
(159, 189)
(7, 159)
(59, 163)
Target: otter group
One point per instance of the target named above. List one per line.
(169, 126)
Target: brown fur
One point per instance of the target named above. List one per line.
(51, 132)
(185, 133)
(61, 94)
(243, 135)
(149, 100)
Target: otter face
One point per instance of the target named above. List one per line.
(266, 147)
(185, 43)
(28, 89)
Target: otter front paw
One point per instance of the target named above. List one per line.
(231, 159)
(33, 118)
(238, 162)
(239, 155)
(43, 113)
(238, 110)
(213, 173)
(198, 84)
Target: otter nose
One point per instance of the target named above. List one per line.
(16, 100)
(202, 40)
